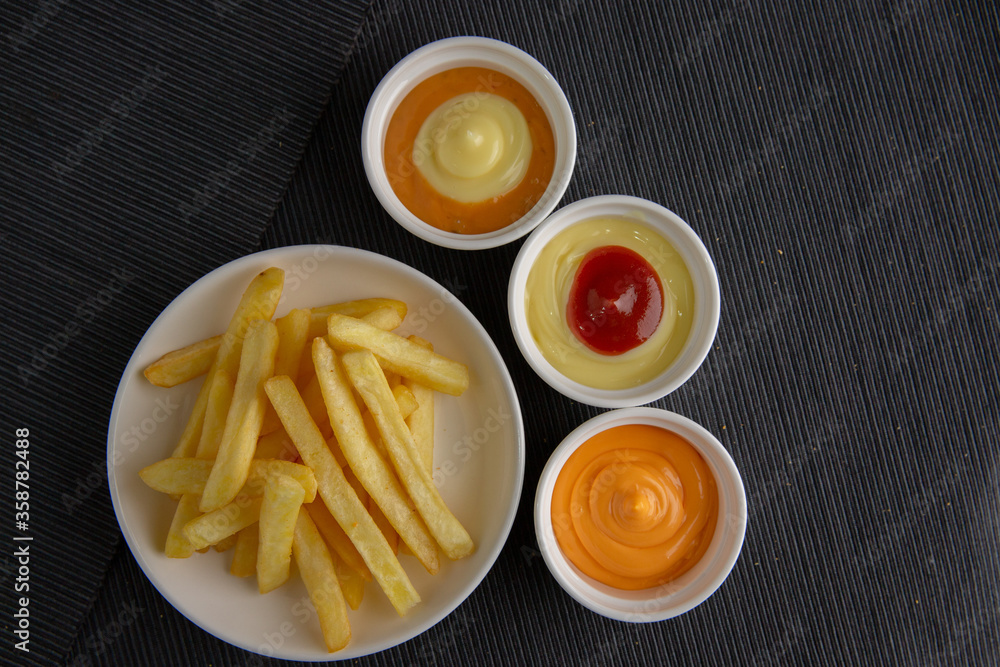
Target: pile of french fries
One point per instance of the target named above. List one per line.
(312, 438)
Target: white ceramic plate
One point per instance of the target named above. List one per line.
(479, 455)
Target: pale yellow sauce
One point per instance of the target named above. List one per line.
(473, 147)
(547, 294)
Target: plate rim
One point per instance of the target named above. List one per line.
(517, 425)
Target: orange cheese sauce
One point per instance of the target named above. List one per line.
(443, 212)
(635, 507)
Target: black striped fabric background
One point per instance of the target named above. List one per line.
(839, 160)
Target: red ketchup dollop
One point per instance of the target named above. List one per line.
(616, 301)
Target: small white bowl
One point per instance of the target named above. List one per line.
(447, 54)
(707, 298)
(690, 589)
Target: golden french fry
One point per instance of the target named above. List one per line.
(245, 554)
(219, 524)
(338, 495)
(405, 399)
(313, 398)
(220, 397)
(421, 420)
(359, 309)
(337, 539)
(225, 544)
(276, 445)
(278, 513)
(320, 576)
(239, 440)
(258, 303)
(363, 458)
(178, 545)
(352, 584)
(189, 476)
(399, 355)
(366, 376)
(292, 331)
(184, 364)
(391, 536)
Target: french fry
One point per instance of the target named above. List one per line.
(189, 476)
(184, 364)
(421, 420)
(391, 536)
(338, 495)
(178, 545)
(399, 355)
(337, 539)
(364, 459)
(276, 445)
(405, 399)
(351, 583)
(366, 376)
(245, 553)
(220, 397)
(258, 302)
(359, 309)
(225, 544)
(239, 440)
(292, 331)
(219, 524)
(320, 576)
(278, 513)
(381, 316)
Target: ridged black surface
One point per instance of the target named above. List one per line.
(137, 196)
(840, 163)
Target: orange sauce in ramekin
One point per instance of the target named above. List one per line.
(635, 507)
(417, 194)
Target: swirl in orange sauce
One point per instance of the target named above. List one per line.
(635, 507)
(420, 197)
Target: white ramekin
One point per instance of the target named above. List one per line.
(707, 299)
(467, 52)
(690, 589)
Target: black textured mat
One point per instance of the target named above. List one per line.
(140, 147)
(840, 163)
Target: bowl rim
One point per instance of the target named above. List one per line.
(704, 276)
(708, 575)
(415, 67)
